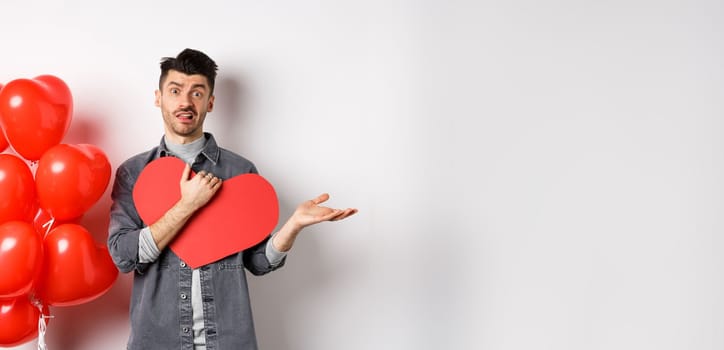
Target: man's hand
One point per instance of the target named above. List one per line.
(195, 193)
(308, 213)
(198, 190)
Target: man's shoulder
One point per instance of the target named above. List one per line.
(137, 162)
(233, 156)
(239, 163)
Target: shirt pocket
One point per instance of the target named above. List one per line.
(230, 266)
(231, 262)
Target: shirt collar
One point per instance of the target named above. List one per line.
(210, 150)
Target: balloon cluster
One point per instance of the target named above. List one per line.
(46, 257)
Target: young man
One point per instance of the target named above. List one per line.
(172, 305)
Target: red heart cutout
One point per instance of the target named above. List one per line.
(243, 212)
(35, 114)
(76, 270)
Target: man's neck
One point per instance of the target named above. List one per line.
(182, 140)
(188, 151)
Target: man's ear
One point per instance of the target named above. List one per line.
(211, 103)
(158, 98)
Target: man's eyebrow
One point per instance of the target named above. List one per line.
(195, 86)
(203, 86)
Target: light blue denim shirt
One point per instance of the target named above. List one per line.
(160, 309)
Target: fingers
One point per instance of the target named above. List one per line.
(330, 216)
(321, 198)
(203, 177)
(186, 172)
(338, 214)
(209, 179)
(214, 182)
(343, 214)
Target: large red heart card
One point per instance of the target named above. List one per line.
(243, 212)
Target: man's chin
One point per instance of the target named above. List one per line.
(186, 133)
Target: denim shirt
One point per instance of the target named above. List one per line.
(160, 309)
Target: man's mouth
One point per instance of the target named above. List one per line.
(187, 115)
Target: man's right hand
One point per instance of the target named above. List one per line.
(195, 193)
(198, 190)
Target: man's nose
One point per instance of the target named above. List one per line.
(184, 100)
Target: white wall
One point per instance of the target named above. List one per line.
(529, 174)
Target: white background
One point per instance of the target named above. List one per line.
(529, 174)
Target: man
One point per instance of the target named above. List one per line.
(172, 305)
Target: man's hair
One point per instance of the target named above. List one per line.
(190, 62)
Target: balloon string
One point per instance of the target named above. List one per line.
(49, 225)
(41, 333)
(42, 326)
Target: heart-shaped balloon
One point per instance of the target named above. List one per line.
(75, 270)
(20, 258)
(18, 321)
(71, 178)
(35, 114)
(241, 214)
(17, 190)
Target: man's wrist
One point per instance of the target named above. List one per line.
(284, 239)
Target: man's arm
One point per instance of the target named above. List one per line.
(125, 226)
(308, 213)
(195, 193)
(127, 234)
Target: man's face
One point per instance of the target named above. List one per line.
(184, 101)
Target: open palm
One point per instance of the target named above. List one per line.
(310, 212)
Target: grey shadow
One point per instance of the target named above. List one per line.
(230, 110)
(84, 128)
(278, 297)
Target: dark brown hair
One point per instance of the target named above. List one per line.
(190, 62)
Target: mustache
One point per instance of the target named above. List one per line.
(185, 110)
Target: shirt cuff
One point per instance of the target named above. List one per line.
(147, 250)
(274, 256)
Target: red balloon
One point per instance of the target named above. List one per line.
(75, 270)
(20, 258)
(18, 321)
(70, 179)
(3, 140)
(35, 114)
(17, 189)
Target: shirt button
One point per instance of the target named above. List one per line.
(183, 296)
(186, 329)
(183, 264)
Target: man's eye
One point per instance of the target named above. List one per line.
(174, 91)
(197, 94)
